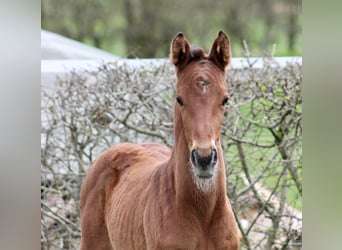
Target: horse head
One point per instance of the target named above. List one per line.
(201, 95)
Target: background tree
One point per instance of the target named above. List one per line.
(137, 28)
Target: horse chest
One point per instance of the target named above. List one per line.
(184, 232)
(194, 241)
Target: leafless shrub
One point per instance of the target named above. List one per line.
(83, 114)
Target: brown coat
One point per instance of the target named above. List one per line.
(146, 196)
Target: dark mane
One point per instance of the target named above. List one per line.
(198, 53)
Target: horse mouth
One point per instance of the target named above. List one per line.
(204, 178)
(205, 174)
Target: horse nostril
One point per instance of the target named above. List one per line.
(209, 160)
(194, 157)
(213, 157)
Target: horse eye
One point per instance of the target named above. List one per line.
(179, 101)
(225, 100)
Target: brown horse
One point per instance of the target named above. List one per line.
(146, 196)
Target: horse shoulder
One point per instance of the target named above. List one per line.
(136, 165)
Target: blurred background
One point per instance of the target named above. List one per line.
(82, 110)
(144, 29)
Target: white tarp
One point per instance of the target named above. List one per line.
(57, 47)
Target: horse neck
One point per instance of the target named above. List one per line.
(185, 188)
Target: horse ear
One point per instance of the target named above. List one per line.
(180, 50)
(220, 52)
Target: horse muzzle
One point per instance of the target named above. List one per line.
(204, 162)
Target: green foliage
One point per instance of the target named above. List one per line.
(137, 28)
